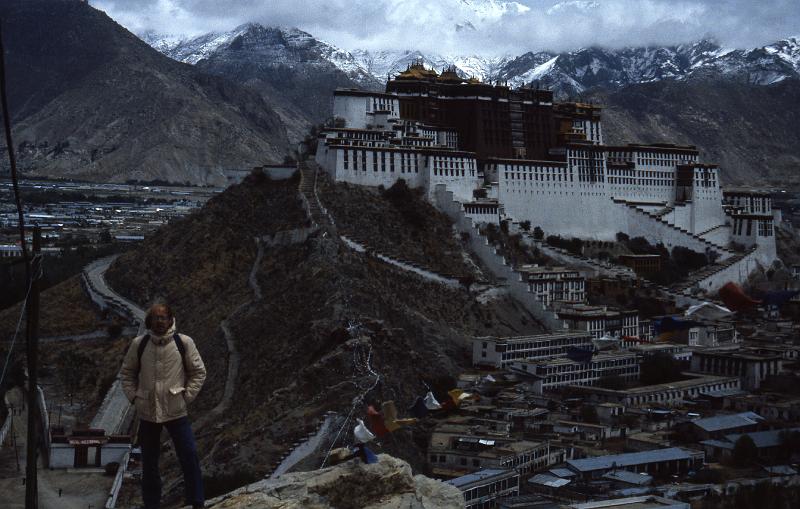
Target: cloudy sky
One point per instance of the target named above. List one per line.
(477, 26)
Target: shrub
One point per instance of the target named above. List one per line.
(745, 451)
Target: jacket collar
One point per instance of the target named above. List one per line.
(167, 337)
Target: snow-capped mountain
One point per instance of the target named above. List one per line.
(574, 72)
(381, 64)
(567, 73)
(284, 46)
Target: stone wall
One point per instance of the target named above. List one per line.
(288, 237)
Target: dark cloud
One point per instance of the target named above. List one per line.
(499, 27)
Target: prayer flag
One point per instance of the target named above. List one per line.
(361, 433)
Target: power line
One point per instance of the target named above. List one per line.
(32, 302)
(19, 322)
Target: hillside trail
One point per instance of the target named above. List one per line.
(96, 274)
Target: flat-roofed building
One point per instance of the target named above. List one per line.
(662, 394)
(500, 352)
(550, 284)
(713, 333)
(770, 444)
(673, 460)
(719, 425)
(601, 321)
(481, 489)
(750, 366)
(468, 453)
(677, 351)
(562, 372)
(772, 406)
(643, 502)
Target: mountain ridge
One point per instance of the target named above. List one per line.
(567, 73)
(90, 100)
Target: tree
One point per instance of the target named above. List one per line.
(622, 237)
(660, 368)
(525, 225)
(745, 451)
(538, 233)
(575, 246)
(790, 443)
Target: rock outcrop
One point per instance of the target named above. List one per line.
(388, 484)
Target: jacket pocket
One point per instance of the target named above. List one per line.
(142, 402)
(176, 403)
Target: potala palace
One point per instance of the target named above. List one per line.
(516, 154)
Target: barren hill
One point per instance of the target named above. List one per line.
(329, 320)
(90, 100)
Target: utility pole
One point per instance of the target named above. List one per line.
(14, 441)
(32, 333)
(31, 272)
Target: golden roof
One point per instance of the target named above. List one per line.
(417, 71)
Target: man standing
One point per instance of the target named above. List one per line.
(161, 374)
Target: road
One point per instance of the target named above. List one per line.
(116, 408)
(80, 488)
(95, 271)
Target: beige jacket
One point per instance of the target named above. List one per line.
(161, 391)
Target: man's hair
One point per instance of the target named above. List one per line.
(148, 319)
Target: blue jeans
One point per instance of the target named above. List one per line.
(183, 439)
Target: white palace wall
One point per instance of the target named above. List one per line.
(720, 235)
(383, 166)
(548, 195)
(680, 216)
(358, 111)
(707, 209)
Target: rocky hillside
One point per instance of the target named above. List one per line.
(90, 100)
(328, 323)
(748, 129)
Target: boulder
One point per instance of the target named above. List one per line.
(388, 484)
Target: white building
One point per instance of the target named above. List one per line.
(500, 352)
(561, 372)
(601, 321)
(551, 284)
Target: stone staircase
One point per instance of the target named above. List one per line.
(690, 240)
(663, 212)
(317, 214)
(494, 261)
(704, 277)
